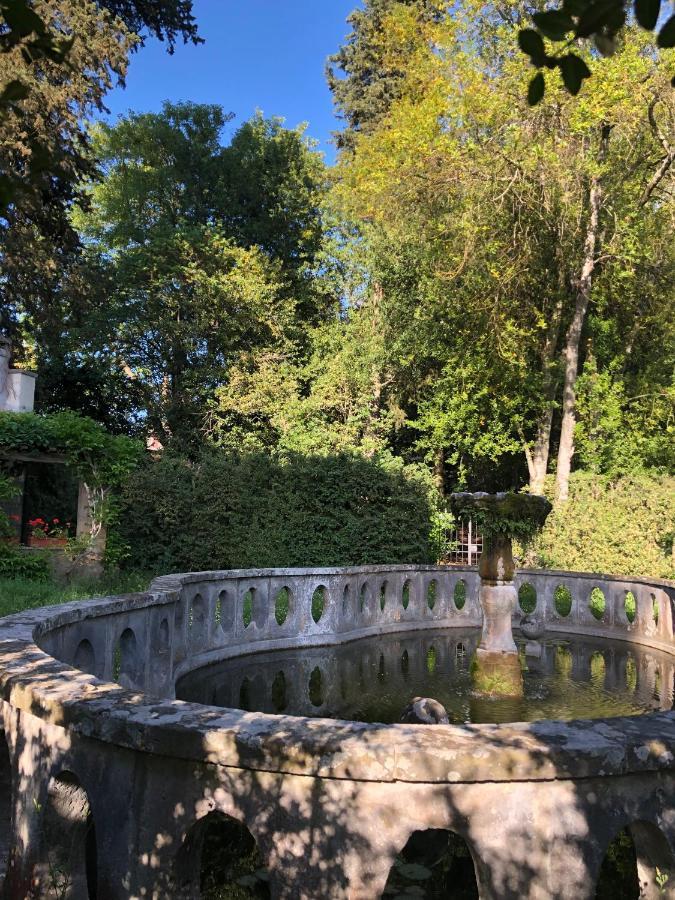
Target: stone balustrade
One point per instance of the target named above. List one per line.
(97, 744)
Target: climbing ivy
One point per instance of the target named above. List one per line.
(101, 460)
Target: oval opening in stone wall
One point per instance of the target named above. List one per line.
(562, 600)
(597, 603)
(282, 603)
(459, 594)
(318, 603)
(527, 598)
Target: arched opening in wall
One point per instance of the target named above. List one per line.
(5, 806)
(434, 863)
(383, 595)
(198, 623)
(364, 598)
(405, 595)
(279, 693)
(618, 873)
(163, 637)
(220, 858)
(126, 663)
(432, 591)
(67, 862)
(459, 594)
(85, 659)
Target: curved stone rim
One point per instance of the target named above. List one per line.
(33, 681)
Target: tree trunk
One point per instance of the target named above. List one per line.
(537, 456)
(439, 471)
(573, 337)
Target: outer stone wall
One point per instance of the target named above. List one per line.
(95, 738)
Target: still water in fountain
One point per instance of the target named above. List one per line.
(373, 679)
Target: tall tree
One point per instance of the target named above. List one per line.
(207, 250)
(507, 217)
(363, 83)
(58, 58)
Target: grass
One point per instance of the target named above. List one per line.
(18, 594)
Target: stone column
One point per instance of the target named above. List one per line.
(496, 666)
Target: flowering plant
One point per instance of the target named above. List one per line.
(41, 528)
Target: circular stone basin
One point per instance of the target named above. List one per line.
(373, 679)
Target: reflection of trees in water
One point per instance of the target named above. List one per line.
(374, 679)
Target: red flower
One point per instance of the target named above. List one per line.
(55, 521)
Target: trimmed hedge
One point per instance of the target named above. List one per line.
(622, 527)
(239, 511)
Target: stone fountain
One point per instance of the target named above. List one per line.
(500, 517)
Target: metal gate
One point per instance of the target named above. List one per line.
(465, 543)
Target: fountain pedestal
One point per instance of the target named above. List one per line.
(496, 666)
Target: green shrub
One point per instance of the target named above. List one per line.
(597, 603)
(22, 564)
(630, 605)
(622, 527)
(459, 594)
(247, 511)
(527, 598)
(562, 600)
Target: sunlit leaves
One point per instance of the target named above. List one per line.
(603, 21)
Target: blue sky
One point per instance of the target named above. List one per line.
(259, 54)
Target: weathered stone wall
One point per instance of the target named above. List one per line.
(131, 772)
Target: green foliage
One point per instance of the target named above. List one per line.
(562, 599)
(617, 435)
(519, 516)
(618, 873)
(318, 603)
(363, 84)
(15, 563)
(210, 254)
(459, 594)
(288, 511)
(99, 458)
(19, 592)
(597, 603)
(630, 606)
(577, 21)
(623, 527)
(527, 598)
(247, 609)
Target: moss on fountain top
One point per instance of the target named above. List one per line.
(505, 514)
